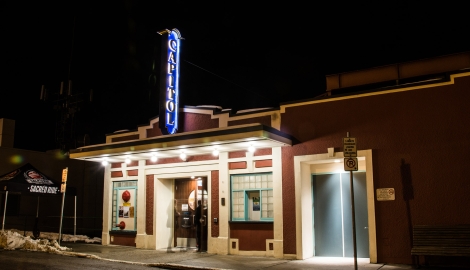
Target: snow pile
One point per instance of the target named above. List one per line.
(13, 240)
(47, 242)
(69, 238)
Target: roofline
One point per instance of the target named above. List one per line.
(446, 79)
(194, 138)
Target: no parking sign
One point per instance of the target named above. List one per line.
(350, 164)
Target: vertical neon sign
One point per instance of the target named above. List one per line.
(169, 91)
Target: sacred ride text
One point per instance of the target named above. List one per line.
(43, 189)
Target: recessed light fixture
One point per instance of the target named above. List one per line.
(154, 157)
(105, 162)
(183, 155)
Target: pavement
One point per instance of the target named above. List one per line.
(183, 258)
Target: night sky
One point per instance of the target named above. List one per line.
(235, 54)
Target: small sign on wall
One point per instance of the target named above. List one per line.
(385, 194)
(255, 203)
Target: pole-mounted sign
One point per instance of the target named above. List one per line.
(349, 144)
(62, 189)
(64, 180)
(351, 164)
(169, 81)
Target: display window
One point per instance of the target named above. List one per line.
(252, 197)
(124, 206)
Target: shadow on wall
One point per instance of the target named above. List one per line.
(169, 224)
(408, 194)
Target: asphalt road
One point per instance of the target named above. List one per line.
(21, 259)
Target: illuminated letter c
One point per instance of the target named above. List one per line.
(172, 45)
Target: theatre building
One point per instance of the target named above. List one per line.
(273, 181)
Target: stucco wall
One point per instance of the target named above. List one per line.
(265, 120)
(420, 141)
(194, 121)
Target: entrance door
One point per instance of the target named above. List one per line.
(332, 215)
(187, 194)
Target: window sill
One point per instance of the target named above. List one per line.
(123, 232)
(251, 221)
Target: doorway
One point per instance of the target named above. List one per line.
(332, 215)
(189, 231)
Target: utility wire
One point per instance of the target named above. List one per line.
(225, 79)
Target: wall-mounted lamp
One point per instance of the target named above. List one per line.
(128, 160)
(154, 157)
(215, 152)
(251, 148)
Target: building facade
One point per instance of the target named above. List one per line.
(272, 182)
(82, 210)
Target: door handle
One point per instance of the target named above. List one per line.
(205, 220)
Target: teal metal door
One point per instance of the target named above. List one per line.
(332, 215)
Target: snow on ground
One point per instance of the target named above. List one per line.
(47, 242)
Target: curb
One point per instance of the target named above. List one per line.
(162, 265)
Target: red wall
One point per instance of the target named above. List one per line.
(194, 121)
(149, 191)
(420, 141)
(215, 203)
(187, 122)
(252, 236)
(265, 120)
(154, 131)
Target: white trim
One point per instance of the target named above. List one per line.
(278, 225)
(107, 206)
(164, 181)
(222, 243)
(142, 130)
(163, 213)
(303, 200)
(417, 87)
(141, 204)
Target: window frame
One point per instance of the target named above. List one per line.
(115, 208)
(246, 199)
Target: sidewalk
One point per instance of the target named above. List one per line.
(190, 259)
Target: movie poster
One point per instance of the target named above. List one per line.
(256, 206)
(126, 209)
